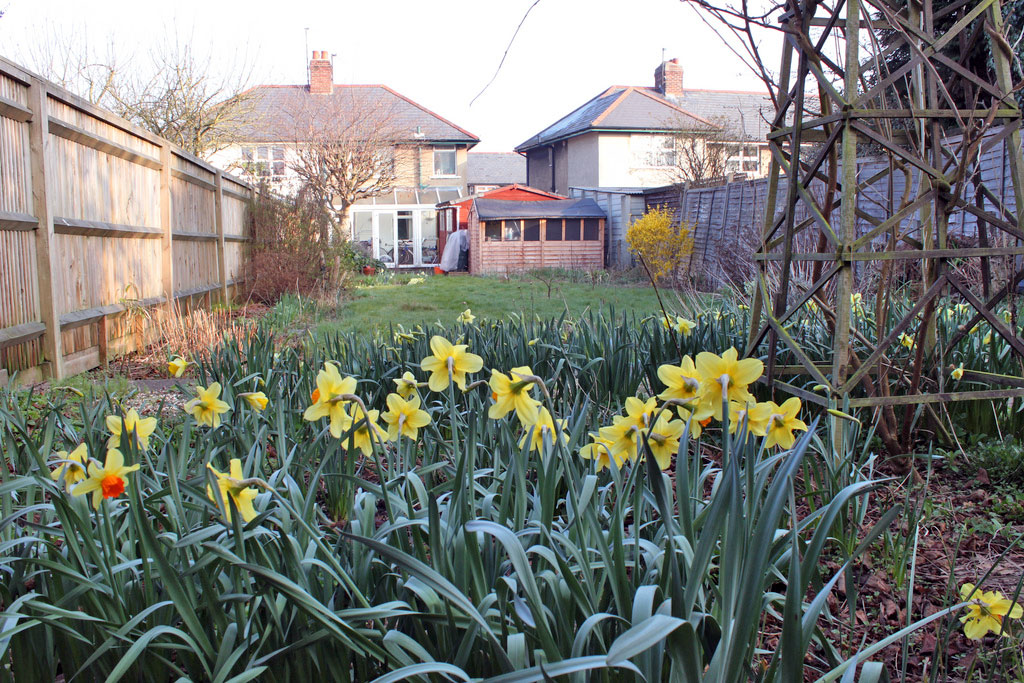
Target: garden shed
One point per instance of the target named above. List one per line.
(510, 236)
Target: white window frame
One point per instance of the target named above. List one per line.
(654, 151)
(446, 149)
(740, 155)
(264, 161)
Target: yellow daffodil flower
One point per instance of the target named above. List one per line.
(621, 437)
(639, 412)
(406, 384)
(72, 471)
(1007, 318)
(139, 427)
(682, 381)
(600, 451)
(663, 439)
(697, 419)
(532, 342)
(782, 422)
(176, 366)
(327, 401)
(511, 392)
(727, 376)
(207, 407)
(416, 280)
(107, 481)
(988, 338)
(540, 426)
(449, 362)
(404, 417)
(756, 414)
(907, 341)
(743, 307)
(257, 400)
(366, 430)
(958, 372)
(466, 317)
(986, 612)
(232, 490)
(404, 337)
(974, 330)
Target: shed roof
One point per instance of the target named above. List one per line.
(496, 209)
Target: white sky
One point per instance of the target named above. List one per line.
(439, 53)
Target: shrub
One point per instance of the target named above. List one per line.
(661, 245)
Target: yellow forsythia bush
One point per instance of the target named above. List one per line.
(661, 245)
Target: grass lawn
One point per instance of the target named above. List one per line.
(445, 297)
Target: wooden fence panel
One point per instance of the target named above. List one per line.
(87, 233)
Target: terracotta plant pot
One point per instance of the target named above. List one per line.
(438, 271)
(369, 270)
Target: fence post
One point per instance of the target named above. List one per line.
(49, 312)
(167, 239)
(222, 263)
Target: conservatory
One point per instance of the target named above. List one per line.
(400, 227)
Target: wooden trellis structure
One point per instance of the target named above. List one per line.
(837, 98)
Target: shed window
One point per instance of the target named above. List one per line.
(553, 230)
(591, 229)
(572, 229)
(531, 230)
(492, 231)
(513, 231)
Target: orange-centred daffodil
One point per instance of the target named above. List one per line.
(727, 377)
(231, 490)
(138, 427)
(782, 422)
(365, 429)
(404, 417)
(512, 392)
(108, 481)
(257, 400)
(72, 470)
(542, 425)
(207, 407)
(663, 439)
(449, 362)
(327, 401)
(176, 366)
(986, 612)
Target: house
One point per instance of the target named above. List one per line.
(638, 136)
(429, 155)
(491, 170)
(512, 235)
(453, 214)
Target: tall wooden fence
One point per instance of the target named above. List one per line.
(100, 220)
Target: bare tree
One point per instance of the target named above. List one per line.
(173, 91)
(699, 156)
(347, 148)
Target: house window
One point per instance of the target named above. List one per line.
(743, 159)
(553, 230)
(444, 161)
(591, 229)
(531, 230)
(513, 231)
(572, 229)
(264, 162)
(654, 150)
(492, 231)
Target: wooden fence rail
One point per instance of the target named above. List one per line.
(100, 219)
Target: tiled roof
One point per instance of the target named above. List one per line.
(490, 168)
(639, 108)
(273, 112)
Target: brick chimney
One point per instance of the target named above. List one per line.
(668, 78)
(321, 74)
